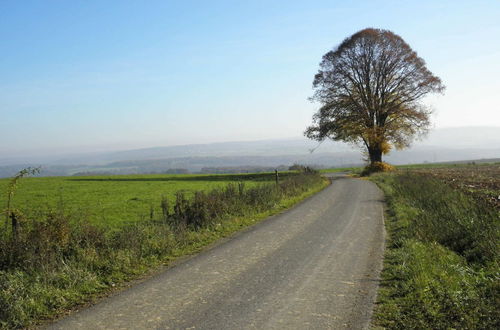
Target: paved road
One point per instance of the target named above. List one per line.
(315, 266)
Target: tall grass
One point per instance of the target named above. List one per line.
(442, 261)
(59, 259)
(443, 215)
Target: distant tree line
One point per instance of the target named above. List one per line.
(242, 169)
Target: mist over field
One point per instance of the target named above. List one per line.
(441, 145)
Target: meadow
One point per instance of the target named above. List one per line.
(341, 169)
(119, 199)
(69, 240)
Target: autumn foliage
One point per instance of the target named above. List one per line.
(370, 89)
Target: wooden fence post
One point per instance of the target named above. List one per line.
(13, 218)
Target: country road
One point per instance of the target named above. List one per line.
(315, 266)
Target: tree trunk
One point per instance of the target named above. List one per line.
(375, 155)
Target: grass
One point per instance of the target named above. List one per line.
(340, 169)
(441, 267)
(478, 181)
(473, 163)
(116, 200)
(59, 259)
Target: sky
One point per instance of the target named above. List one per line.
(80, 76)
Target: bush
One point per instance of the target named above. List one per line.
(303, 169)
(376, 167)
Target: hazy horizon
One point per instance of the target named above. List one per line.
(459, 138)
(97, 77)
(84, 150)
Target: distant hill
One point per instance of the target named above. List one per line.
(483, 137)
(447, 144)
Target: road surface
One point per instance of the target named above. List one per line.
(315, 266)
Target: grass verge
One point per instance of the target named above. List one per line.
(441, 267)
(53, 263)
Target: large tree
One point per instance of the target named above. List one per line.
(370, 89)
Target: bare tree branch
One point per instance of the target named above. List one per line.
(370, 88)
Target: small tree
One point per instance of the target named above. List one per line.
(370, 89)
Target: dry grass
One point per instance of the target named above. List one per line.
(479, 181)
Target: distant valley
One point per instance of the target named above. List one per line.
(441, 145)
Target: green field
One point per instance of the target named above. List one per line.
(52, 259)
(116, 200)
(340, 169)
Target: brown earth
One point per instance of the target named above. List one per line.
(480, 181)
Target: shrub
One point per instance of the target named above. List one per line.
(205, 207)
(303, 169)
(376, 167)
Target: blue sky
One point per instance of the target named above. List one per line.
(100, 75)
